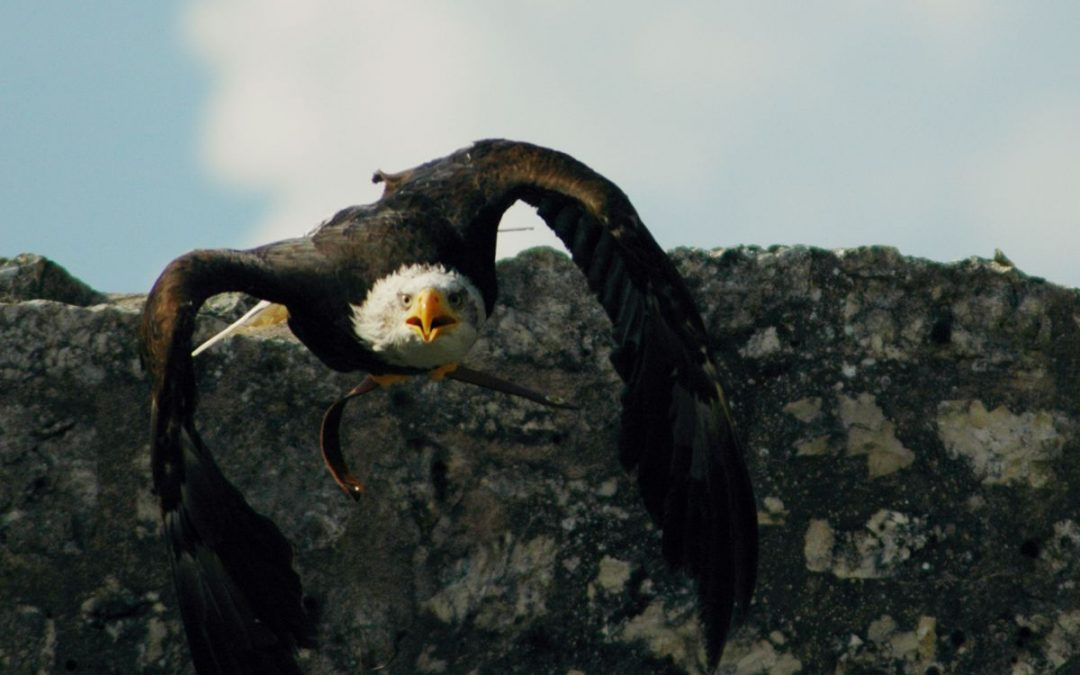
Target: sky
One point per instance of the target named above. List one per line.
(133, 132)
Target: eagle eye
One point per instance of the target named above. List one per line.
(405, 299)
(455, 298)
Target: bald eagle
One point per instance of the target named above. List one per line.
(402, 287)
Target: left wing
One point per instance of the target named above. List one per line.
(676, 428)
(239, 597)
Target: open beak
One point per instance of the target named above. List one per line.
(430, 315)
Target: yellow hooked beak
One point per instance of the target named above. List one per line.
(431, 315)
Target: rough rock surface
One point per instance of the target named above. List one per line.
(31, 276)
(912, 431)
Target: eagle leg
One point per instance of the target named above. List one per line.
(489, 381)
(330, 440)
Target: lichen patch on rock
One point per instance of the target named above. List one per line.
(805, 409)
(870, 434)
(673, 633)
(497, 584)
(612, 574)
(875, 551)
(1002, 447)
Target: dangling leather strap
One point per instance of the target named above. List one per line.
(330, 440)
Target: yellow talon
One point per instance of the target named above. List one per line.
(387, 380)
(442, 371)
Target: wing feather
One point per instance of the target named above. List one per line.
(239, 597)
(676, 427)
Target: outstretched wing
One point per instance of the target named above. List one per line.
(238, 595)
(676, 428)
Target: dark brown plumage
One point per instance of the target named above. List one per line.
(676, 428)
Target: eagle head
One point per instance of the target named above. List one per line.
(421, 316)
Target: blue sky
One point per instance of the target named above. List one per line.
(132, 132)
(99, 111)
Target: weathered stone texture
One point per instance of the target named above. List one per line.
(912, 431)
(28, 276)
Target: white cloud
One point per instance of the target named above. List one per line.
(310, 99)
(844, 123)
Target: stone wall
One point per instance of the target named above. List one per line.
(912, 432)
